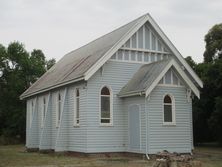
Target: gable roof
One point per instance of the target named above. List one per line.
(82, 63)
(149, 75)
(74, 65)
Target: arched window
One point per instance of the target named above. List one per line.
(43, 111)
(168, 110)
(59, 107)
(105, 106)
(76, 107)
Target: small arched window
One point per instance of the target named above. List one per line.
(105, 106)
(168, 110)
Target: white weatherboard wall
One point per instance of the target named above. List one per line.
(176, 138)
(76, 134)
(66, 137)
(108, 138)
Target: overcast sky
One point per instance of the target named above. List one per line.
(60, 26)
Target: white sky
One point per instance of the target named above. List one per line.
(60, 26)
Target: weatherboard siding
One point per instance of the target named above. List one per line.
(65, 137)
(76, 134)
(176, 138)
(108, 138)
(33, 130)
(46, 129)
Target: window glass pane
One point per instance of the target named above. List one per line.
(167, 99)
(175, 79)
(59, 110)
(133, 56)
(168, 77)
(105, 120)
(44, 107)
(105, 107)
(77, 92)
(146, 57)
(134, 41)
(139, 56)
(105, 91)
(77, 108)
(126, 55)
(167, 113)
(32, 109)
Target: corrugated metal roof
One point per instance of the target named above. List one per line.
(143, 78)
(74, 64)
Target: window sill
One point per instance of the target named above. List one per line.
(169, 124)
(106, 125)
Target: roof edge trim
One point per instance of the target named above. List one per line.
(118, 45)
(180, 71)
(22, 97)
(174, 50)
(112, 50)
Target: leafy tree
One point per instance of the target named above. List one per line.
(19, 70)
(213, 48)
(191, 62)
(215, 120)
(50, 63)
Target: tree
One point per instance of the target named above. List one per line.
(215, 120)
(19, 70)
(213, 48)
(191, 62)
(50, 63)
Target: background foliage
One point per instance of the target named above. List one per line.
(20, 69)
(207, 111)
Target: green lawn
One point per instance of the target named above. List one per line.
(16, 156)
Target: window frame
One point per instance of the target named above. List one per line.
(58, 108)
(173, 110)
(32, 111)
(43, 115)
(76, 122)
(111, 106)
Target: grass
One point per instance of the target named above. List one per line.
(209, 156)
(17, 156)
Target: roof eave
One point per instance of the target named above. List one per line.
(24, 96)
(132, 93)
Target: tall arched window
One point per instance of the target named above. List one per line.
(168, 110)
(76, 108)
(59, 109)
(105, 106)
(43, 111)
